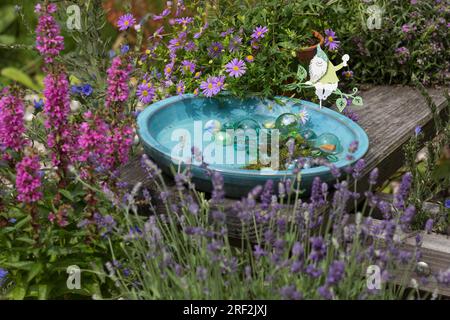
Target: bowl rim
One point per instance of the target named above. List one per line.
(149, 141)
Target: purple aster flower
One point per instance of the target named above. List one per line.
(259, 32)
(163, 14)
(190, 46)
(187, 67)
(235, 68)
(202, 29)
(250, 58)
(220, 82)
(209, 87)
(178, 42)
(331, 41)
(215, 49)
(145, 92)
(168, 69)
(184, 21)
(226, 32)
(212, 86)
(180, 87)
(348, 74)
(235, 42)
(126, 21)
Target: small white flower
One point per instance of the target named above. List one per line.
(28, 116)
(74, 105)
(137, 27)
(303, 116)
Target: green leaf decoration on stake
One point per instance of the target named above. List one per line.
(357, 101)
(341, 103)
(301, 73)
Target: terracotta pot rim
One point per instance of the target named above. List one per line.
(318, 36)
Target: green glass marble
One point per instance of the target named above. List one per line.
(308, 134)
(328, 143)
(247, 124)
(269, 124)
(286, 123)
(228, 126)
(332, 158)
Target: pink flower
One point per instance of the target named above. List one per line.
(12, 126)
(49, 41)
(102, 145)
(57, 109)
(28, 179)
(118, 76)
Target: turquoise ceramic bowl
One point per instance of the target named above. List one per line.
(159, 123)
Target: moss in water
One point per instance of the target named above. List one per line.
(302, 148)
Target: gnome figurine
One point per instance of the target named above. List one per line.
(322, 74)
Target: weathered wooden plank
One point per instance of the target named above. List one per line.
(389, 116)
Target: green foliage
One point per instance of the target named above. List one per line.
(431, 176)
(36, 251)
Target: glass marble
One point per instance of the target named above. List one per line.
(328, 143)
(269, 124)
(286, 123)
(332, 158)
(223, 138)
(308, 134)
(248, 123)
(228, 126)
(212, 126)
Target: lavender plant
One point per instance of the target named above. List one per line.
(267, 246)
